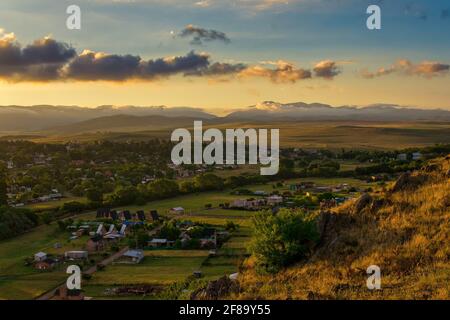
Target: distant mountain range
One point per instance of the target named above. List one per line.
(44, 117)
(299, 111)
(73, 119)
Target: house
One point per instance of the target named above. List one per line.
(402, 157)
(114, 215)
(302, 186)
(323, 189)
(274, 200)
(95, 244)
(161, 243)
(250, 204)
(177, 210)
(126, 215)
(240, 203)
(259, 193)
(132, 257)
(76, 255)
(46, 264)
(155, 216)
(40, 256)
(100, 230)
(141, 215)
(416, 156)
(123, 230)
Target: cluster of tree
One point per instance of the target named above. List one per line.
(280, 239)
(16, 221)
(79, 168)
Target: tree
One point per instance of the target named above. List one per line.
(208, 181)
(170, 231)
(281, 239)
(163, 188)
(94, 195)
(3, 188)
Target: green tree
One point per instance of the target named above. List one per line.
(208, 181)
(170, 231)
(281, 239)
(94, 195)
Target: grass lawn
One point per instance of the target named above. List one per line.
(157, 268)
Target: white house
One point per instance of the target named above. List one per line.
(40, 256)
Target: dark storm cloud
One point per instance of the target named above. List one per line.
(190, 63)
(47, 51)
(200, 35)
(97, 66)
(40, 61)
(43, 51)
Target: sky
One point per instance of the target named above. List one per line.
(220, 55)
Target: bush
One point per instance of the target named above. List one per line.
(281, 239)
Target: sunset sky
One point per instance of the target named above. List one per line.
(219, 54)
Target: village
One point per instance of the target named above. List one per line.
(138, 228)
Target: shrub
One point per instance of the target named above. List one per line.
(281, 239)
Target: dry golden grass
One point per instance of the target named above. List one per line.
(405, 232)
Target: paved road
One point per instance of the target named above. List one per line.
(49, 294)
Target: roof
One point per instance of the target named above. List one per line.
(134, 253)
(40, 254)
(158, 241)
(178, 209)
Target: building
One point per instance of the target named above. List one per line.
(274, 200)
(416, 156)
(95, 244)
(177, 210)
(76, 255)
(402, 157)
(45, 265)
(161, 243)
(131, 257)
(40, 256)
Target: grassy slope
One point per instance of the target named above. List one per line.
(408, 237)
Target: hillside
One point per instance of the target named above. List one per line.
(123, 123)
(404, 230)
